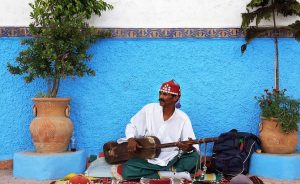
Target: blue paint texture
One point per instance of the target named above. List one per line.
(218, 86)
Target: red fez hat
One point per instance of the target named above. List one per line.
(170, 87)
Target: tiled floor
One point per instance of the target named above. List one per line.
(6, 177)
(269, 181)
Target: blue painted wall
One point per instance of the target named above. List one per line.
(218, 86)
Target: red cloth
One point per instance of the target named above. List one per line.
(160, 181)
(101, 154)
(119, 169)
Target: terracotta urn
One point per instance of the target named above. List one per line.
(273, 140)
(51, 129)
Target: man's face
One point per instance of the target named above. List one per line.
(166, 99)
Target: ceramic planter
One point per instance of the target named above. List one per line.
(273, 140)
(51, 129)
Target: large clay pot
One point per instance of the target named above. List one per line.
(273, 140)
(51, 129)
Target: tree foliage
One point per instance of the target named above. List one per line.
(258, 10)
(60, 40)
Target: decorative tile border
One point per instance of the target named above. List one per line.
(155, 32)
(14, 31)
(174, 33)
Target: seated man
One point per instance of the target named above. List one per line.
(169, 124)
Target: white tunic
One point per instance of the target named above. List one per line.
(149, 122)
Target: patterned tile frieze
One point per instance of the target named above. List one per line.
(154, 32)
(14, 31)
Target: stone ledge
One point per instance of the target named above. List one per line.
(275, 166)
(37, 166)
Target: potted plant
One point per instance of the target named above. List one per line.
(56, 50)
(280, 115)
(269, 10)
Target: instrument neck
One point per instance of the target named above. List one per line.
(199, 141)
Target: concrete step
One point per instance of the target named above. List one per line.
(275, 166)
(45, 166)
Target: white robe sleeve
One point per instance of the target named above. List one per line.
(137, 126)
(188, 132)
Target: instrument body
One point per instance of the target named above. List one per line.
(115, 153)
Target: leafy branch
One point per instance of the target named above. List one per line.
(60, 40)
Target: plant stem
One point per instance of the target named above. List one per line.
(48, 85)
(276, 62)
(55, 87)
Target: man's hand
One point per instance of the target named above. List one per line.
(186, 147)
(133, 145)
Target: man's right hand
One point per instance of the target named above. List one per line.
(187, 147)
(133, 145)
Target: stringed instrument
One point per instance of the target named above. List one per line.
(115, 153)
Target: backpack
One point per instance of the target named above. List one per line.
(232, 152)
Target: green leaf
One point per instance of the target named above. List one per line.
(243, 48)
(295, 28)
(254, 32)
(288, 7)
(258, 3)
